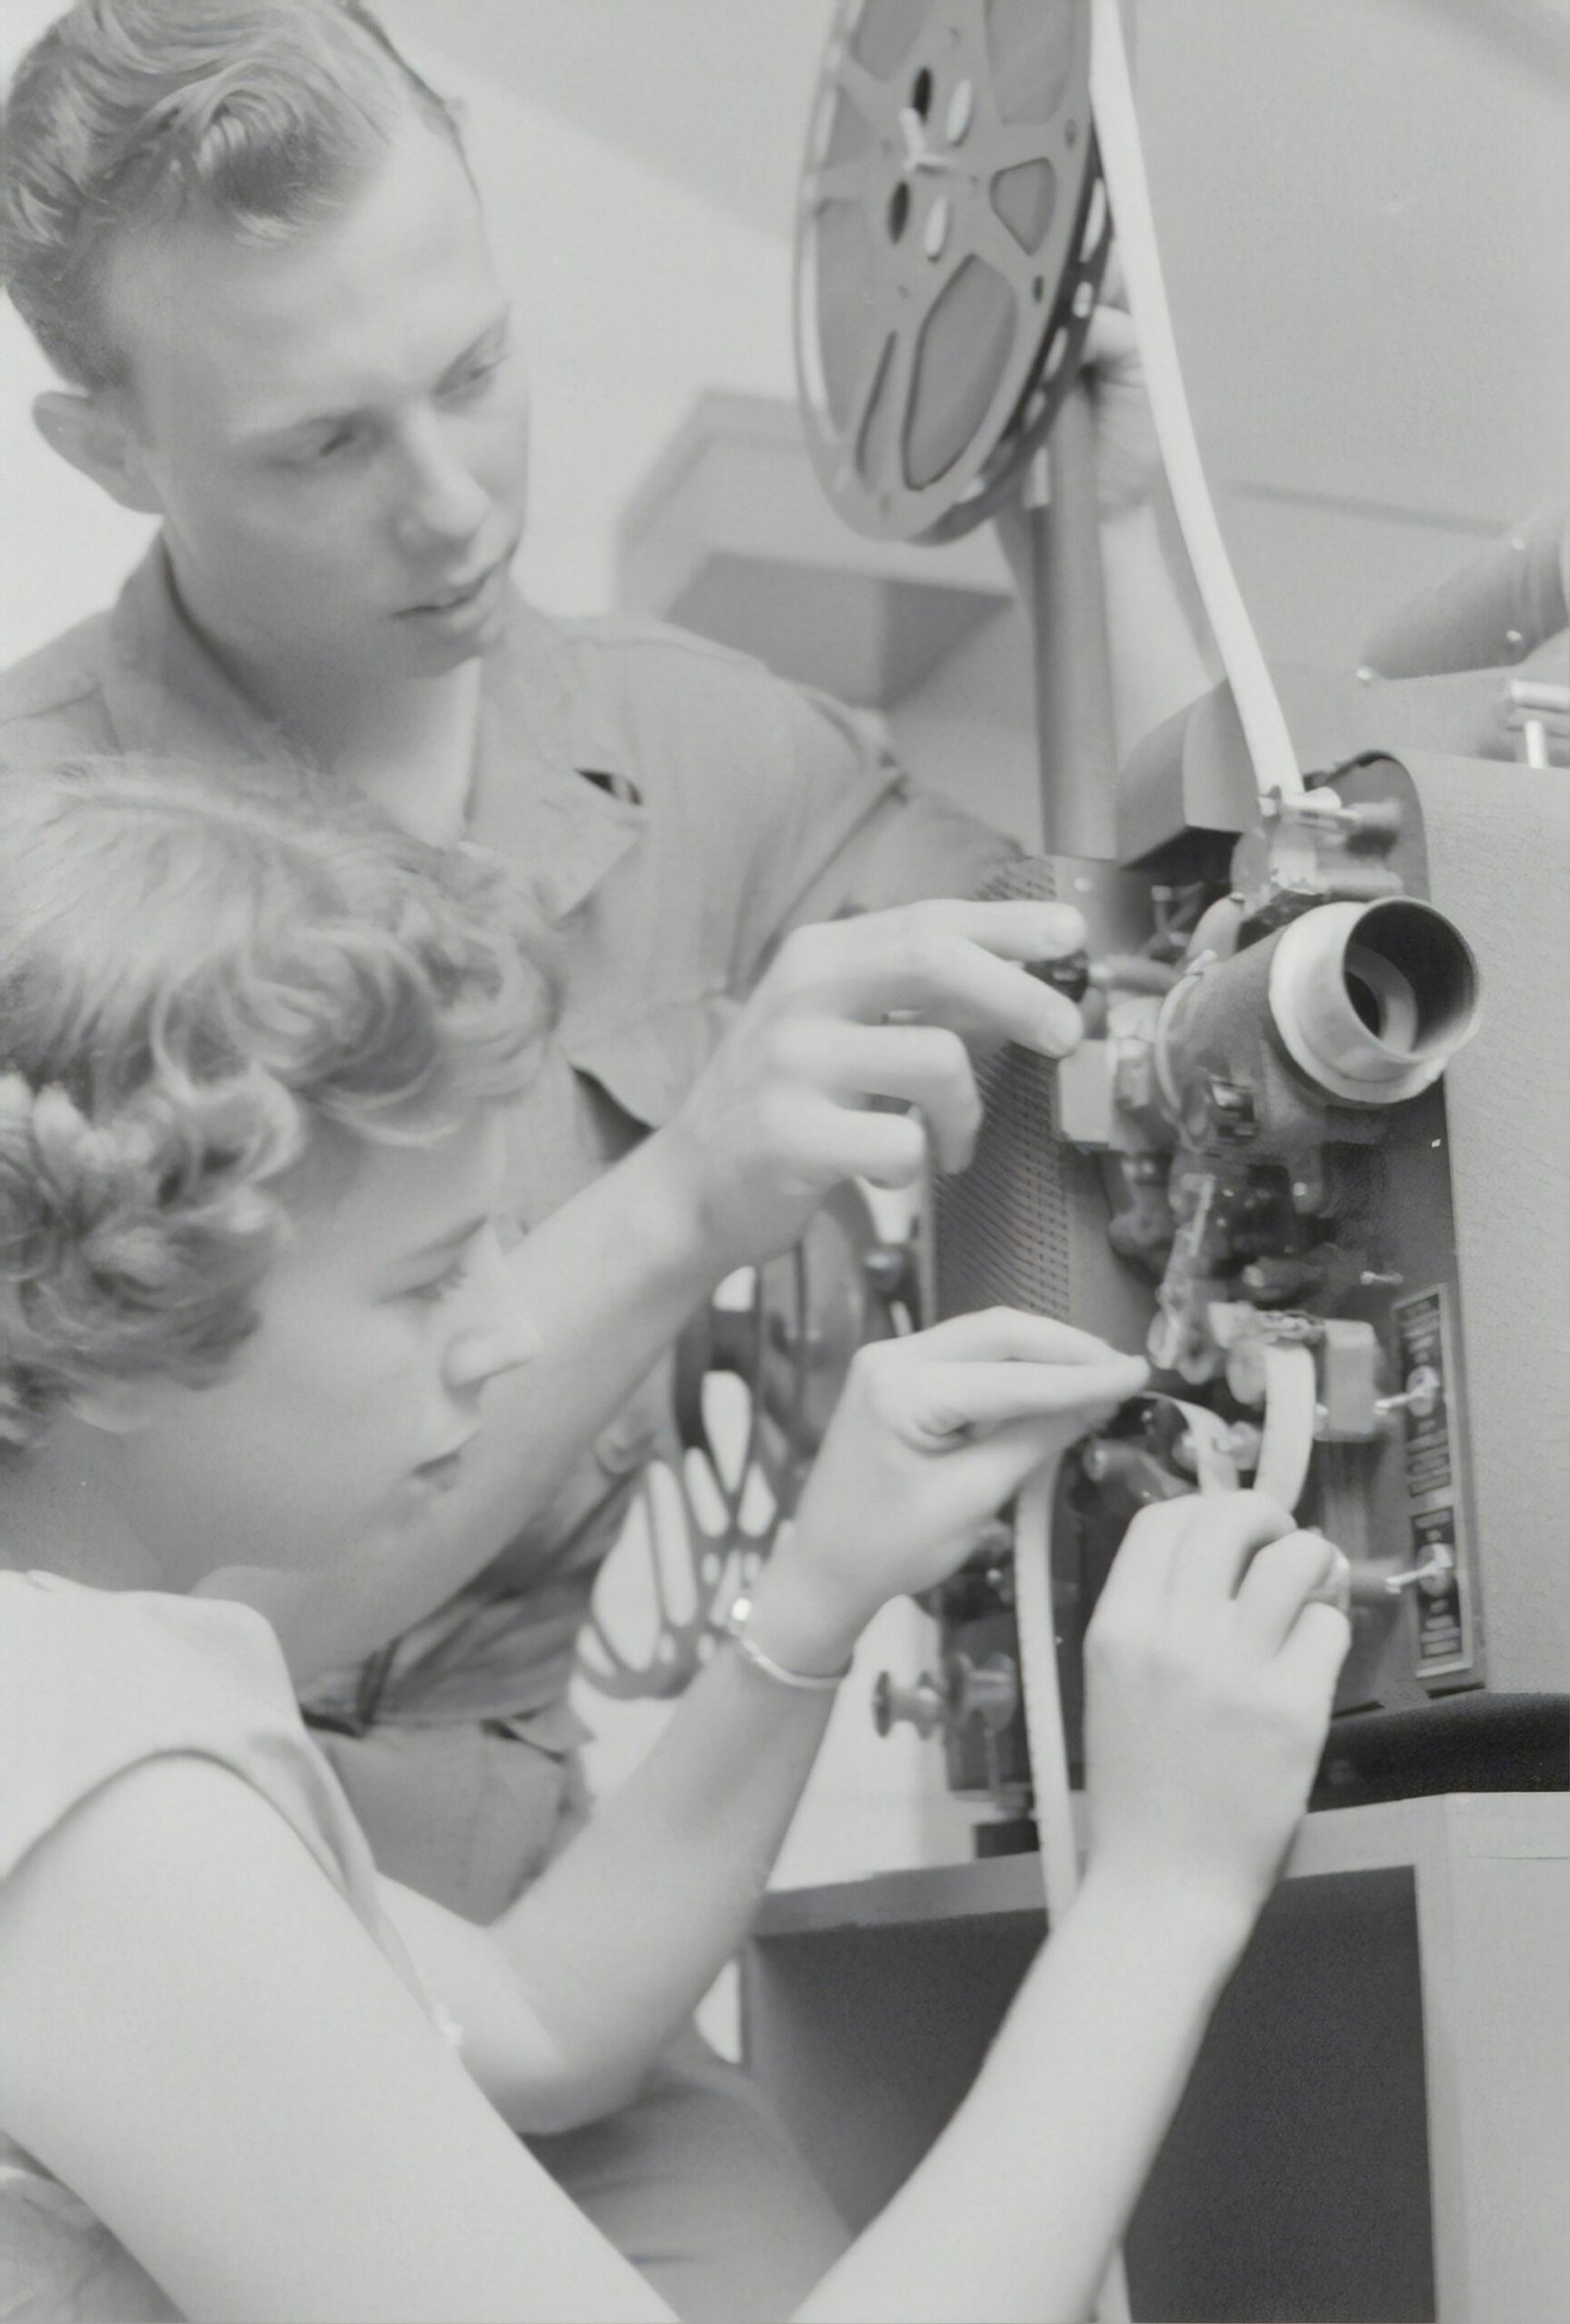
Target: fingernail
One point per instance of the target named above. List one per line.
(1336, 1588)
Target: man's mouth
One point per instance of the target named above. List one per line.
(459, 593)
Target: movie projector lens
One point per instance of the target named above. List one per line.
(953, 231)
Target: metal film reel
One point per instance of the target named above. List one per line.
(758, 1374)
(951, 235)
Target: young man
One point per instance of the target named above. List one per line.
(245, 234)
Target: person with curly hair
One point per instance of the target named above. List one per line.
(247, 236)
(257, 1058)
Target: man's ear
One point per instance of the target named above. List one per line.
(92, 431)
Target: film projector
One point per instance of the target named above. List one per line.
(1310, 1155)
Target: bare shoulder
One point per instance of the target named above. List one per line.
(163, 1841)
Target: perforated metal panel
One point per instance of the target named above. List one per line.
(1025, 1226)
(1002, 1227)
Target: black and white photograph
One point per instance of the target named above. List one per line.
(785, 1161)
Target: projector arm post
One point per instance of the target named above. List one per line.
(1052, 541)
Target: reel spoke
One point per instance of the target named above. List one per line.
(875, 100)
(756, 1386)
(942, 259)
(837, 182)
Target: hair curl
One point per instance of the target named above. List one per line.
(271, 111)
(195, 982)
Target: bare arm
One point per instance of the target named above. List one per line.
(203, 2043)
(223, 2065)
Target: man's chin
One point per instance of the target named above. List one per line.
(426, 650)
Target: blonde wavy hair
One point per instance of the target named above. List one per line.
(196, 981)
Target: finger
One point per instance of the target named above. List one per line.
(948, 980)
(924, 1065)
(1281, 1579)
(949, 1400)
(952, 964)
(1314, 1652)
(1223, 1532)
(1113, 281)
(887, 1149)
(1133, 1598)
(990, 1469)
(1014, 927)
(818, 1142)
(1004, 1335)
(1111, 338)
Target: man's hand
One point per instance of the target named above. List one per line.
(849, 1018)
(933, 1435)
(1128, 453)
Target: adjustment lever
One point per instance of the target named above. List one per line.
(1069, 975)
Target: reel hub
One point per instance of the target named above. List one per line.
(951, 235)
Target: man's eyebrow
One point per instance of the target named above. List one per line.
(281, 429)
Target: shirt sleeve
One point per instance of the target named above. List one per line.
(853, 833)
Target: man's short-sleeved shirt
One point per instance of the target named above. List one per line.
(674, 809)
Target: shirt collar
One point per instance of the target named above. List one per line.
(546, 724)
(163, 690)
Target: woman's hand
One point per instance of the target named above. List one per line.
(933, 1435)
(1210, 1667)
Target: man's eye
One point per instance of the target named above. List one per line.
(473, 377)
(440, 1286)
(321, 448)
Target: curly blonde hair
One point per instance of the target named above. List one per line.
(195, 983)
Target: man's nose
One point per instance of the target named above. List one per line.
(440, 499)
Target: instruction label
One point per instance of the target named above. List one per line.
(1432, 1456)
